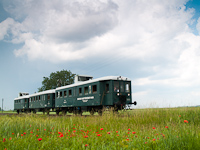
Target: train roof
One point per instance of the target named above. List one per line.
(36, 94)
(95, 80)
(43, 92)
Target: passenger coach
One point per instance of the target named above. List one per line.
(94, 95)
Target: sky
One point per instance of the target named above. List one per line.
(155, 43)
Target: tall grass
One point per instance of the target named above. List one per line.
(137, 129)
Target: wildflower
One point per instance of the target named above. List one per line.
(127, 139)
(74, 131)
(37, 135)
(59, 132)
(44, 129)
(145, 143)
(24, 133)
(98, 134)
(37, 129)
(61, 135)
(166, 126)
(154, 139)
(133, 132)
(147, 137)
(10, 138)
(73, 128)
(179, 115)
(4, 139)
(31, 132)
(117, 134)
(101, 129)
(40, 139)
(108, 132)
(86, 145)
(154, 128)
(185, 121)
(157, 138)
(129, 129)
(13, 133)
(86, 136)
(116, 131)
(128, 132)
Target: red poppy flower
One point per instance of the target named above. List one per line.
(31, 132)
(166, 126)
(154, 139)
(74, 131)
(116, 131)
(86, 145)
(133, 132)
(86, 136)
(129, 129)
(4, 139)
(108, 132)
(37, 135)
(101, 129)
(117, 134)
(98, 134)
(154, 128)
(24, 133)
(185, 121)
(40, 139)
(127, 139)
(179, 115)
(10, 138)
(13, 133)
(44, 129)
(61, 135)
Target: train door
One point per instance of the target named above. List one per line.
(106, 98)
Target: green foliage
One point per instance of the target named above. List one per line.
(127, 130)
(57, 79)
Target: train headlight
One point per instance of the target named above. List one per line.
(117, 94)
(128, 94)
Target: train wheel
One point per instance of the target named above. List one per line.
(100, 112)
(34, 111)
(57, 112)
(92, 112)
(64, 112)
(47, 112)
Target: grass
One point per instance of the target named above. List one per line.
(174, 128)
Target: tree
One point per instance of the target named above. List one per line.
(57, 79)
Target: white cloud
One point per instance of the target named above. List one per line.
(198, 25)
(156, 33)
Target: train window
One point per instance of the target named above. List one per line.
(61, 94)
(85, 90)
(48, 96)
(127, 87)
(122, 87)
(25, 100)
(70, 92)
(116, 86)
(80, 91)
(107, 87)
(90, 89)
(94, 88)
(65, 93)
(39, 98)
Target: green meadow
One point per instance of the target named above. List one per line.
(167, 128)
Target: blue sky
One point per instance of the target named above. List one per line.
(156, 43)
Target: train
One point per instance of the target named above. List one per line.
(84, 95)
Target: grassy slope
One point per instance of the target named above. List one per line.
(128, 130)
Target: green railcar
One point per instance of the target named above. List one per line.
(42, 101)
(94, 95)
(21, 104)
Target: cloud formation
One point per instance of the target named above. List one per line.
(156, 33)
